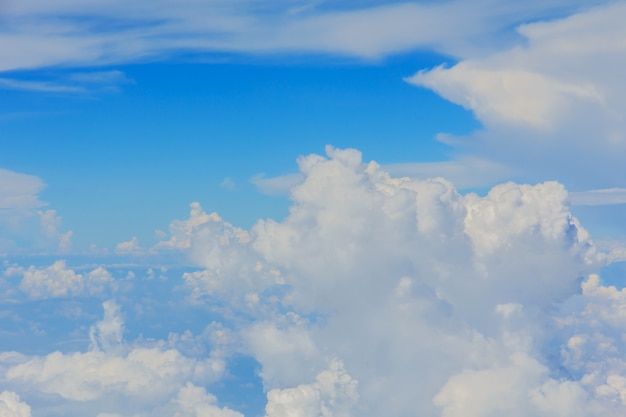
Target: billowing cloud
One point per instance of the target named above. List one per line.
(334, 393)
(422, 292)
(193, 401)
(111, 368)
(375, 296)
(519, 388)
(57, 280)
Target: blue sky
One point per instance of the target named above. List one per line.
(172, 133)
(312, 208)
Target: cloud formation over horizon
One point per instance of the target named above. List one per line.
(375, 296)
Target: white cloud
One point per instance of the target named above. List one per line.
(57, 280)
(437, 303)
(19, 191)
(50, 223)
(465, 172)
(271, 344)
(508, 96)
(131, 246)
(334, 393)
(107, 334)
(420, 290)
(11, 406)
(549, 102)
(518, 389)
(276, 185)
(111, 368)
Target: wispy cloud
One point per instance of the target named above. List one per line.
(466, 172)
(73, 83)
(276, 185)
(598, 197)
(112, 77)
(369, 284)
(228, 184)
(60, 32)
(39, 86)
(549, 104)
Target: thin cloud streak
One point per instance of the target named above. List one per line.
(598, 197)
(39, 86)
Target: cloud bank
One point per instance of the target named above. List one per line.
(375, 296)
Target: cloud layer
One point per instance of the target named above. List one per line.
(103, 32)
(375, 296)
(550, 101)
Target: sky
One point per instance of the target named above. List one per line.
(284, 208)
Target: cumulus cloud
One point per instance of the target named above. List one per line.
(11, 406)
(375, 296)
(201, 224)
(519, 388)
(57, 280)
(422, 292)
(334, 393)
(193, 401)
(19, 191)
(115, 369)
(373, 30)
(75, 83)
(131, 246)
